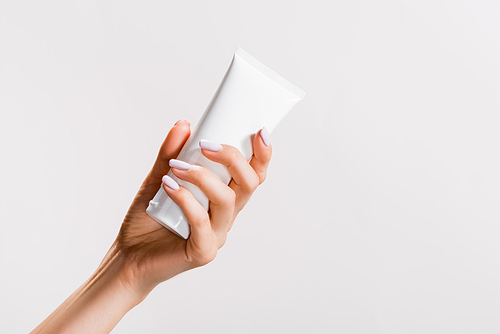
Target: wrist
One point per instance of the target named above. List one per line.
(104, 299)
(119, 272)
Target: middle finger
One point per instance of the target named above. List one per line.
(221, 197)
(245, 179)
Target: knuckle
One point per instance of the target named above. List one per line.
(201, 173)
(222, 240)
(200, 218)
(206, 257)
(264, 158)
(251, 183)
(268, 154)
(230, 197)
(162, 160)
(233, 155)
(255, 181)
(162, 156)
(262, 177)
(183, 196)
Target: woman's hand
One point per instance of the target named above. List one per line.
(153, 253)
(145, 253)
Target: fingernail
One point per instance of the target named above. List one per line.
(182, 120)
(266, 138)
(170, 182)
(179, 164)
(210, 145)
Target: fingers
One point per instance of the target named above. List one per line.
(247, 176)
(262, 152)
(225, 201)
(201, 243)
(221, 197)
(242, 173)
(170, 148)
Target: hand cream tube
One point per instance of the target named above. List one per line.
(249, 97)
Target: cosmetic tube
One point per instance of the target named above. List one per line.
(250, 96)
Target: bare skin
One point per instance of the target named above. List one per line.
(144, 253)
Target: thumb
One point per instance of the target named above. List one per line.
(172, 145)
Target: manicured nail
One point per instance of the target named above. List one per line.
(179, 164)
(182, 120)
(210, 145)
(170, 182)
(266, 138)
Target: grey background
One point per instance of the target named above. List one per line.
(381, 210)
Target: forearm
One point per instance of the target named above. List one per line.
(145, 253)
(99, 304)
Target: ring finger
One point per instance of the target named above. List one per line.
(221, 197)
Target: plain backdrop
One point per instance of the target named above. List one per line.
(380, 213)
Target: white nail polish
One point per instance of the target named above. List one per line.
(170, 182)
(266, 138)
(179, 164)
(240, 105)
(210, 145)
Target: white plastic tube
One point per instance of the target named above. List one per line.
(249, 97)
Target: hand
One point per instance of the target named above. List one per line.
(145, 253)
(154, 254)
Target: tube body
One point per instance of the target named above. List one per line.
(249, 97)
